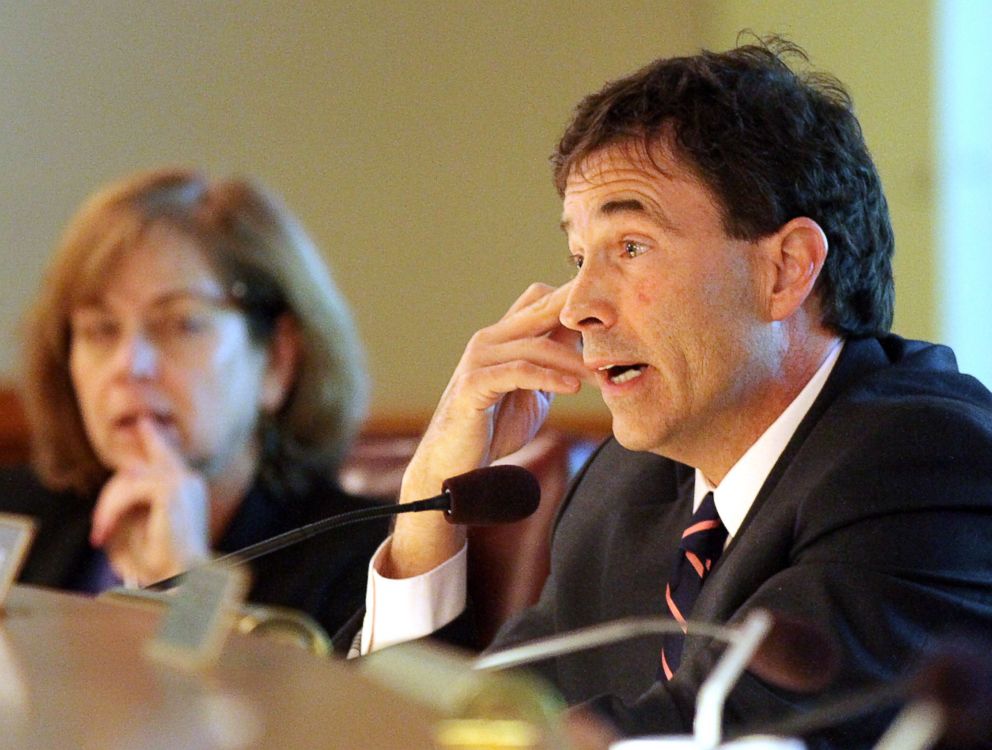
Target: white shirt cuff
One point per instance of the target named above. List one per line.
(402, 609)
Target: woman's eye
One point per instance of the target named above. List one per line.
(96, 329)
(575, 261)
(633, 248)
(182, 323)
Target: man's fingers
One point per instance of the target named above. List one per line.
(537, 317)
(488, 385)
(573, 339)
(544, 352)
(533, 293)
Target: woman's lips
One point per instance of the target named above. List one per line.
(130, 420)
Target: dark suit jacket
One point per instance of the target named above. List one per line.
(323, 576)
(876, 523)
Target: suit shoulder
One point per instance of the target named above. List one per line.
(917, 371)
(898, 412)
(874, 453)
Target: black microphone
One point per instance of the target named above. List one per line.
(481, 497)
(489, 496)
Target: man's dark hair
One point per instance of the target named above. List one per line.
(771, 144)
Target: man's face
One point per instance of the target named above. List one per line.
(668, 306)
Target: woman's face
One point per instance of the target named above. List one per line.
(162, 340)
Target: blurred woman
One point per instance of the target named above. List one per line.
(193, 381)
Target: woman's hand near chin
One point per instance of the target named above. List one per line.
(152, 516)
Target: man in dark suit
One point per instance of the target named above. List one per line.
(732, 299)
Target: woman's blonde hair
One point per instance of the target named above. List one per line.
(271, 268)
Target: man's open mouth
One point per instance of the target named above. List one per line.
(618, 374)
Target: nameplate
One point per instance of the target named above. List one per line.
(199, 616)
(16, 534)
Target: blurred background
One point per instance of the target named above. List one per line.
(412, 140)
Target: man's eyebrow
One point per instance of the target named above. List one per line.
(626, 205)
(633, 205)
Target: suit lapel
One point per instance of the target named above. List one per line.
(859, 358)
(762, 543)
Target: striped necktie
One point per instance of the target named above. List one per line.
(702, 542)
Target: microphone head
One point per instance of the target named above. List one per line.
(494, 494)
(796, 655)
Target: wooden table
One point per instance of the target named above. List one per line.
(73, 675)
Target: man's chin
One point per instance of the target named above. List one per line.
(635, 437)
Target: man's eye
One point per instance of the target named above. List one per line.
(632, 248)
(575, 261)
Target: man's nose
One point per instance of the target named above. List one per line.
(590, 302)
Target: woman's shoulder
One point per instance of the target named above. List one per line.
(21, 491)
(61, 526)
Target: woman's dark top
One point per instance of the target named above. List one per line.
(323, 576)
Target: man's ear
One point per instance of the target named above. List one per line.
(283, 359)
(797, 252)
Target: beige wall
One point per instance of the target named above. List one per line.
(410, 137)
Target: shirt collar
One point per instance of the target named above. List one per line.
(736, 492)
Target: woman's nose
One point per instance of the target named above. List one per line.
(138, 356)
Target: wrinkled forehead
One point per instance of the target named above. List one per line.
(651, 168)
(654, 159)
(627, 175)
